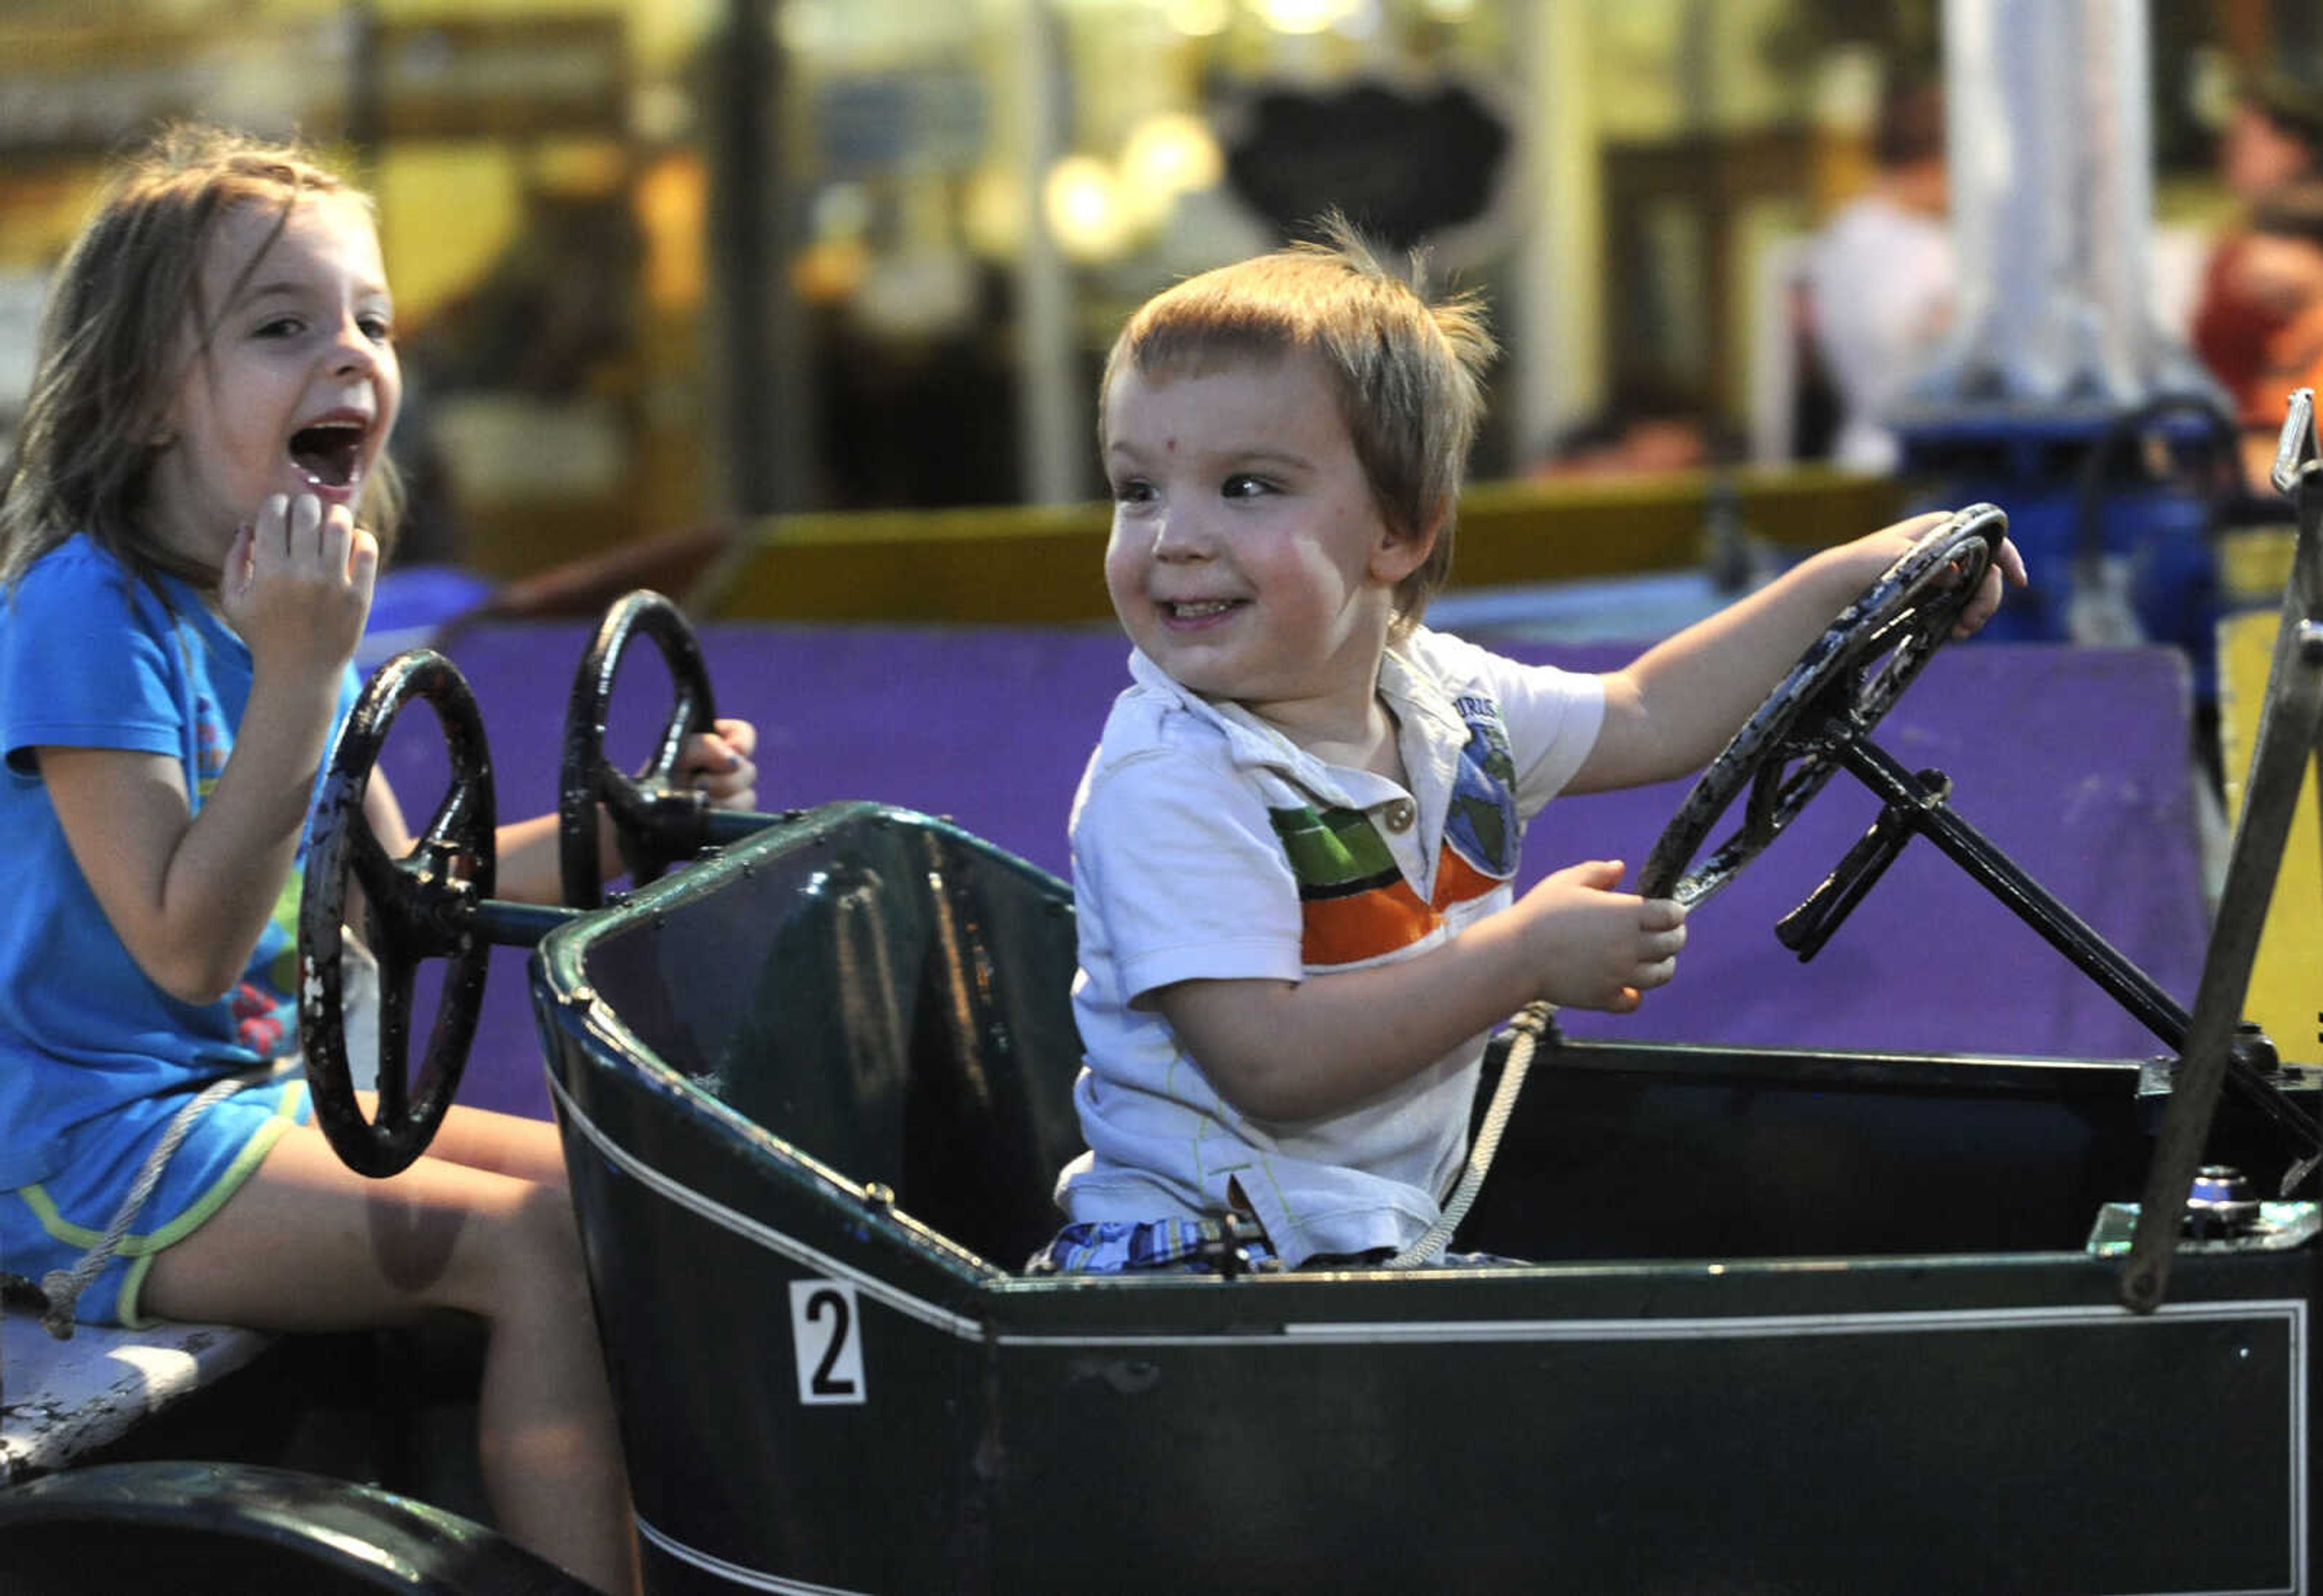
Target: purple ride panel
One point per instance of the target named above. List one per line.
(2070, 760)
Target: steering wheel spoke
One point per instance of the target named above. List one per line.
(374, 871)
(453, 826)
(1762, 812)
(395, 985)
(1843, 684)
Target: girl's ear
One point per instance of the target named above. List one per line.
(1401, 551)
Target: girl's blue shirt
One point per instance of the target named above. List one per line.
(90, 656)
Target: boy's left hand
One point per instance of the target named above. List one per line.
(1890, 544)
(717, 764)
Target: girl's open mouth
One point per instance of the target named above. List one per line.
(329, 455)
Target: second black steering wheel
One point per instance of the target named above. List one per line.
(656, 821)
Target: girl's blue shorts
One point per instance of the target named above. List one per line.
(51, 1225)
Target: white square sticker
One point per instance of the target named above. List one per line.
(827, 1337)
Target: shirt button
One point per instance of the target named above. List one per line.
(1399, 815)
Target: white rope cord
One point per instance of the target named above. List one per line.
(63, 1287)
(1530, 1024)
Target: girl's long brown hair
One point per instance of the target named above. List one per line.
(111, 348)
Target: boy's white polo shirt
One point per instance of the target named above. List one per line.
(1208, 846)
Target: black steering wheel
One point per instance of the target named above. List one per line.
(1841, 687)
(656, 823)
(423, 905)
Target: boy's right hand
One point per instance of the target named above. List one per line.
(1597, 948)
(297, 585)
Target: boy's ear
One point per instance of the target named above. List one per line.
(1401, 551)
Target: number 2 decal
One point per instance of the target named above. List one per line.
(826, 1337)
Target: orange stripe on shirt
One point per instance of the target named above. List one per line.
(1457, 880)
(1364, 925)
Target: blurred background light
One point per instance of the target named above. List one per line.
(1083, 204)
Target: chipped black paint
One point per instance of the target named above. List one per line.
(1794, 743)
(420, 906)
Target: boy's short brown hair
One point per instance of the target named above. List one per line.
(1409, 373)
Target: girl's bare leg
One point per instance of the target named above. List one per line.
(486, 1139)
(308, 1244)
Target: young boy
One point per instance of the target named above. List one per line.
(1293, 847)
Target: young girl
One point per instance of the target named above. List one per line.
(188, 534)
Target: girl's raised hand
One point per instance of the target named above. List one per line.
(718, 764)
(298, 584)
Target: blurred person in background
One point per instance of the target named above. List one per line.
(2278, 276)
(1879, 277)
(1641, 434)
(2252, 288)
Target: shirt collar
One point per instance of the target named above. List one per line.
(1410, 691)
(1250, 741)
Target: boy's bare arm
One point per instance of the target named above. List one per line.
(1288, 1051)
(1675, 705)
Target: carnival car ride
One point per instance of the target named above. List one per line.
(816, 1086)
